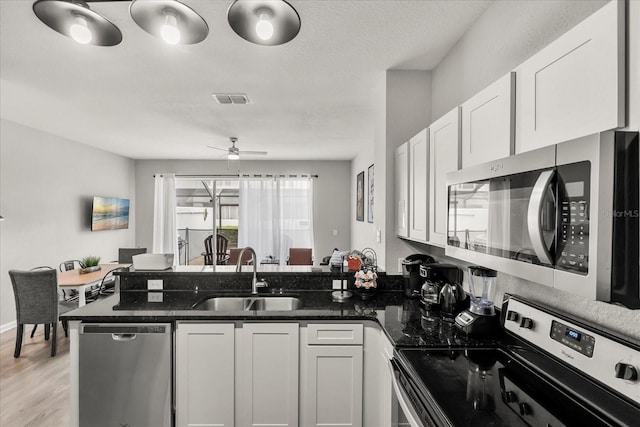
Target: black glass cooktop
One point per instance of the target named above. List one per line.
(487, 387)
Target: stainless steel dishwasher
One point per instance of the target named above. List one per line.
(125, 375)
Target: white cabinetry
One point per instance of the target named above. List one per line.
(418, 186)
(574, 86)
(259, 381)
(331, 375)
(444, 157)
(402, 190)
(488, 123)
(204, 374)
(268, 375)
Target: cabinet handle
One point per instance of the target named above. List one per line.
(123, 337)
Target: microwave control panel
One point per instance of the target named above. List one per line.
(574, 236)
(574, 197)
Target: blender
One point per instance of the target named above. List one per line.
(480, 318)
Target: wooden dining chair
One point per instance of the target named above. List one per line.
(221, 250)
(36, 299)
(300, 256)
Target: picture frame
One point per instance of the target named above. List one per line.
(360, 197)
(370, 184)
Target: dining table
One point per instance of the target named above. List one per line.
(74, 279)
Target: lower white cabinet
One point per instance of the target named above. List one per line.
(268, 375)
(258, 382)
(331, 376)
(205, 360)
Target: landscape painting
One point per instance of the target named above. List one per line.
(109, 213)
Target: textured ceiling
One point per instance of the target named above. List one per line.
(310, 98)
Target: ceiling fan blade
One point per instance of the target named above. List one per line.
(216, 148)
(260, 153)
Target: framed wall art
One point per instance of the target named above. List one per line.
(360, 197)
(370, 199)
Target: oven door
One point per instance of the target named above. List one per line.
(406, 409)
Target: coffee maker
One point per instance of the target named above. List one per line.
(441, 290)
(480, 318)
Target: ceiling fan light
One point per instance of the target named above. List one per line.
(264, 22)
(233, 156)
(80, 31)
(74, 19)
(169, 31)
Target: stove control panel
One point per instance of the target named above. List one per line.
(612, 361)
(573, 338)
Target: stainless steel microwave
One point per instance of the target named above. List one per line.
(564, 216)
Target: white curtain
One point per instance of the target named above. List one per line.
(275, 215)
(165, 234)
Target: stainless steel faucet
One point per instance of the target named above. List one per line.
(255, 284)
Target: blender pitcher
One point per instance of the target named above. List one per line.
(482, 285)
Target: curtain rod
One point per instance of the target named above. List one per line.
(246, 176)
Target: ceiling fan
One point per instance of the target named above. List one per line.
(233, 153)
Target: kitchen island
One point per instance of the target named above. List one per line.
(334, 353)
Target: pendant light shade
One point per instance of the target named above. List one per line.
(170, 20)
(264, 22)
(75, 20)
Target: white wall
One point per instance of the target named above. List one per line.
(405, 109)
(331, 194)
(46, 188)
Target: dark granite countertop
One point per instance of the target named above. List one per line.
(403, 319)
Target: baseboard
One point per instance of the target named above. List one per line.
(7, 326)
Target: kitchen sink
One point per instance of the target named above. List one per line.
(275, 303)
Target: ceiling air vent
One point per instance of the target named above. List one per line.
(231, 98)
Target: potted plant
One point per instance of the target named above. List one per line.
(90, 264)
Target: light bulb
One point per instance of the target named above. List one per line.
(264, 27)
(80, 31)
(169, 30)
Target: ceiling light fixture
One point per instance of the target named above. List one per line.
(264, 22)
(172, 21)
(74, 19)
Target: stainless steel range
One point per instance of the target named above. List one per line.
(550, 370)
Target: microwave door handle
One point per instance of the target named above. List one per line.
(536, 203)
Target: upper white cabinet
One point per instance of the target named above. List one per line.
(402, 189)
(488, 123)
(574, 86)
(268, 370)
(418, 186)
(205, 383)
(444, 157)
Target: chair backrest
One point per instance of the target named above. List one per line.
(300, 256)
(221, 249)
(72, 264)
(234, 253)
(208, 250)
(125, 254)
(36, 295)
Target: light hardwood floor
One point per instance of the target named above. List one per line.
(34, 389)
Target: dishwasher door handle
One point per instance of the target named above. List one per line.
(123, 337)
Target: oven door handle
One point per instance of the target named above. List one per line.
(402, 397)
(534, 213)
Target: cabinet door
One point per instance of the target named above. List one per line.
(333, 386)
(268, 374)
(574, 86)
(418, 186)
(488, 123)
(402, 190)
(444, 157)
(204, 374)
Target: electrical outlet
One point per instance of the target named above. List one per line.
(337, 284)
(400, 265)
(335, 231)
(378, 236)
(154, 296)
(154, 284)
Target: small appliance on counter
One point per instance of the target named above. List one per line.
(435, 277)
(480, 318)
(152, 261)
(411, 273)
